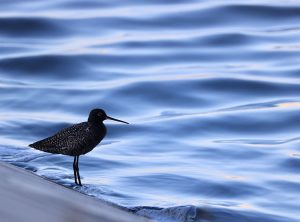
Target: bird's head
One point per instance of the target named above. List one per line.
(99, 115)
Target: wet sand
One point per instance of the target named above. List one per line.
(26, 197)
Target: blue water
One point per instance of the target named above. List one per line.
(211, 89)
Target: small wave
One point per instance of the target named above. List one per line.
(259, 141)
(199, 214)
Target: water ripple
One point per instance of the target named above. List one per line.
(211, 89)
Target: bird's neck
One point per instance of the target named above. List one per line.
(99, 129)
(95, 122)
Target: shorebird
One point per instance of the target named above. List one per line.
(77, 139)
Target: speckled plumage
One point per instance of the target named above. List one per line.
(77, 139)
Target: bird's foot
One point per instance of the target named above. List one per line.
(79, 182)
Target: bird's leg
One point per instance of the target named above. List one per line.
(74, 169)
(79, 181)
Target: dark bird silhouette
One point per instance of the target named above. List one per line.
(77, 139)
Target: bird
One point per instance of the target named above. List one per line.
(77, 139)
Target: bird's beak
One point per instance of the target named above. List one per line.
(108, 117)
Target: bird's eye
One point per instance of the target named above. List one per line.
(99, 114)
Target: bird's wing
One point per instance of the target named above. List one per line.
(66, 141)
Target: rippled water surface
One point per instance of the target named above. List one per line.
(211, 89)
